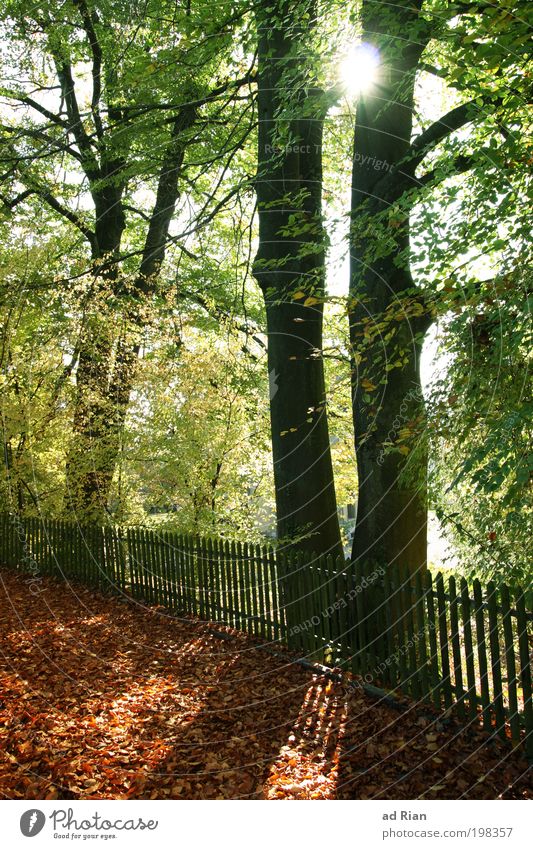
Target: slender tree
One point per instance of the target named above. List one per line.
(389, 314)
(289, 267)
(391, 520)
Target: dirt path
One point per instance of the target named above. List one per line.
(102, 698)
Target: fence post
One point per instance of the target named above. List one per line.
(495, 660)
(456, 648)
(510, 664)
(525, 670)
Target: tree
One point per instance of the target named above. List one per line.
(119, 131)
(195, 451)
(389, 314)
(289, 267)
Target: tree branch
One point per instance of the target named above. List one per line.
(64, 73)
(89, 19)
(29, 101)
(40, 135)
(166, 197)
(402, 175)
(136, 111)
(11, 204)
(439, 130)
(67, 213)
(128, 208)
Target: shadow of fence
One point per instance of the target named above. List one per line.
(455, 644)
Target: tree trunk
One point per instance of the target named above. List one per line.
(289, 267)
(387, 317)
(391, 524)
(106, 370)
(105, 377)
(91, 459)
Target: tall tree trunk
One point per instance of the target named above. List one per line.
(289, 267)
(107, 366)
(105, 377)
(90, 465)
(387, 317)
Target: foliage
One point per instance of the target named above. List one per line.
(37, 359)
(200, 396)
(480, 419)
(195, 447)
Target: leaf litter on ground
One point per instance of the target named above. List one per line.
(103, 697)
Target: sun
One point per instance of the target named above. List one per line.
(358, 68)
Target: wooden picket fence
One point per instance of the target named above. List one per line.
(457, 645)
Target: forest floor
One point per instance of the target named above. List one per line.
(104, 698)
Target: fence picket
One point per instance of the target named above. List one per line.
(469, 650)
(361, 662)
(178, 566)
(433, 649)
(421, 625)
(253, 589)
(495, 660)
(210, 572)
(261, 598)
(510, 664)
(456, 649)
(324, 566)
(194, 575)
(482, 654)
(267, 598)
(300, 612)
(525, 670)
(443, 642)
(412, 639)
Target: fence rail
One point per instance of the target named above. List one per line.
(455, 644)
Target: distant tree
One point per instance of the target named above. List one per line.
(107, 107)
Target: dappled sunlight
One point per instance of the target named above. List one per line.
(165, 709)
(157, 709)
(307, 765)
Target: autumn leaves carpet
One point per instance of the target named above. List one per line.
(103, 698)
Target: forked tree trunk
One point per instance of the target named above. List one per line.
(107, 365)
(289, 267)
(387, 318)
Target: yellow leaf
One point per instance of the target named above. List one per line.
(309, 302)
(368, 385)
(403, 449)
(298, 295)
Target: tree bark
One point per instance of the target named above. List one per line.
(107, 367)
(289, 267)
(387, 317)
(91, 458)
